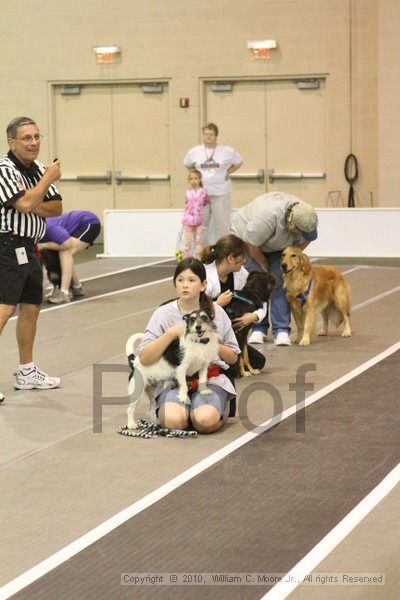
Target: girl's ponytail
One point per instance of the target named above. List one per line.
(207, 305)
(208, 254)
(226, 245)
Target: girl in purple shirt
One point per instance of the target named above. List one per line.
(64, 237)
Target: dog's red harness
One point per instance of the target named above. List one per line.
(193, 382)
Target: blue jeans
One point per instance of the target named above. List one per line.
(279, 307)
(218, 399)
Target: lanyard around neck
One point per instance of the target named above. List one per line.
(212, 153)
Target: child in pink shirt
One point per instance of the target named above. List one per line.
(196, 198)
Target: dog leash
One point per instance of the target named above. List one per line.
(229, 310)
(242, 298)
(303, 297)
(152, 430)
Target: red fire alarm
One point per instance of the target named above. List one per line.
(184, 102)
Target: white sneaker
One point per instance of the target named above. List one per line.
(35, 380)
(2, 397)
(257, 337)
(282, 339)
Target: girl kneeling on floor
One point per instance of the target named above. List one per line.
(207, 413)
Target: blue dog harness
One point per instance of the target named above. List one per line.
(303, 297)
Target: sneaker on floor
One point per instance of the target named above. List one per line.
(2, 397)
(282, 339)
(256, 337)
(59, 297)
(77, 292)
(35, 380)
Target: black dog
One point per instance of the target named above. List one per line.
(257, 290)
(51, 260)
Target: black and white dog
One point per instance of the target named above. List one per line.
(185, 356)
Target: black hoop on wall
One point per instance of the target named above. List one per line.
(351, 166)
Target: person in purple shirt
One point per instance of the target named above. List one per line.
(65, 236)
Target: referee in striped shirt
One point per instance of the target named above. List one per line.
(27, 197)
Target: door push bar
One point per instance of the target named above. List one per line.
(260, 176)
(119, 178)
(272, 175)
(107, 177)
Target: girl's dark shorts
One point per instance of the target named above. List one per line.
(87, 233)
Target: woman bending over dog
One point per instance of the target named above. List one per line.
(206, 412)
(226, 274)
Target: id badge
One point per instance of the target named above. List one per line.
(22, 257)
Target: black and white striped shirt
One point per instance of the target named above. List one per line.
(15, 179)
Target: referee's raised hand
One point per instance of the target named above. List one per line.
(53, 171)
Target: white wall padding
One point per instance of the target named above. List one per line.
(369, 232)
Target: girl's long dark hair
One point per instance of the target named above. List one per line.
(198, 269)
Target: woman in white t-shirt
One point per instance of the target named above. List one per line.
(216, 163)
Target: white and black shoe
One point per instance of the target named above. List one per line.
(35, 380)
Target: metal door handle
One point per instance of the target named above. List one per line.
(272, 175)
(119, 178)
(260, 176)
(107, 177)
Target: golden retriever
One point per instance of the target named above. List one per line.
(314, 288)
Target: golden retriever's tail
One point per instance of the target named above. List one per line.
(340, 311)
(335, 316)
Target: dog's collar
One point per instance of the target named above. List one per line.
(242, 298)
(303, 297)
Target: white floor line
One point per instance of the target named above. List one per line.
(151, 264)
(151, 308)
(376, 298)
(115, 521)
(352, 269)
(122, 318)
(129, 289)
(50, 308)
(96, 325)
(305, 566)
